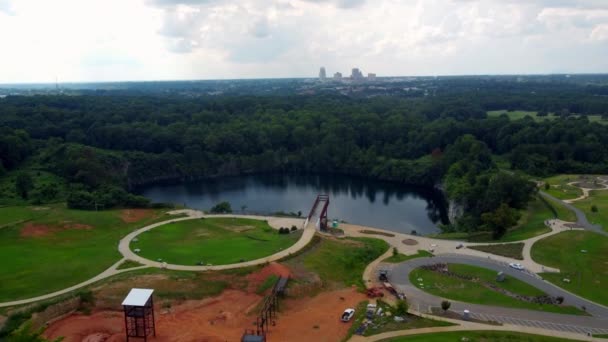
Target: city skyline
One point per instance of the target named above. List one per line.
(198, 39)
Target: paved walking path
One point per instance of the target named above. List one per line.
(123, 247)
(581, 218)
(275, 222)
(111, 271)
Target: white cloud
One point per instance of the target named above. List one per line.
(175, 39)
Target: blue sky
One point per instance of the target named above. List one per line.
(106, 40)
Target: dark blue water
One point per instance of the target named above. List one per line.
(355, 200)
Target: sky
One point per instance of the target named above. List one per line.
(121, 40)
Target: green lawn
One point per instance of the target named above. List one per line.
(343, 261)
(509, 250)
(472, 292)
(34, 266)
(559, 187)
(531, 223)
(588, 272)
(216, 241)
(476, 336)
(402, 257)
(599, 198)
(561, 211)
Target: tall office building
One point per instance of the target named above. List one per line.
(322, 74)
(356, 74)
(338, 76)
(371, 76)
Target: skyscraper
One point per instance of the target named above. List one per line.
(356, 74)
(322, 74)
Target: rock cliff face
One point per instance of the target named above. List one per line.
(455, 210)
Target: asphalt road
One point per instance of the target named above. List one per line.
(581, 218)
(597, 323)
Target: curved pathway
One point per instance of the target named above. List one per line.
(581, 218)
(275, 222)
(420, 299)
(123, 247)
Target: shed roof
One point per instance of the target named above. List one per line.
(137, 297)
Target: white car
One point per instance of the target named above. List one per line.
(347, 315)
(516, 266)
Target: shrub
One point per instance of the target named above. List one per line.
(594, 209)
(294, 228)
(222, 208)
(401, 308)
(395, 251)
(547, 186)
(445, 305)
(559, 299)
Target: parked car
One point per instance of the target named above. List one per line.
(347, 315)
(516, 266)
(371, 311)
(383, 275)
(459, 246)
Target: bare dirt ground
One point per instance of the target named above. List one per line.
(135, 215)
(220, 318)
(41, 230)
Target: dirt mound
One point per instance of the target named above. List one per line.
(255, 279)
(221, 318)
(41, 230)
(135, 215)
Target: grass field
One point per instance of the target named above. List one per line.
(472, 292)
(509, 250)
(559, 187)
(476, 336)
(58, 247)
(561, 211)
(531, 223)
(216, 241)
(402, 257)
(599, 198)
(342, 261)
(588, 272)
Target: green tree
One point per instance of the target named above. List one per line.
(222, 208)
(445, 305)
(500, 220)
(24, 184)
(401, 308)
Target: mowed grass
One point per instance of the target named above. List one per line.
(397, 258)
(509, 250)
(588, 272)
(599, 198)
(343, 261)
(476, 336)
(473, 292)
(559, 187)
(36, 265)
(532, 222)
(216, 241)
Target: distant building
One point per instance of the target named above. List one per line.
(371, 76)
(356, 74)
(338, 76)
(322, 74)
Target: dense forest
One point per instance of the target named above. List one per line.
(103, 146)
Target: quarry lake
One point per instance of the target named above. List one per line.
(355, 200)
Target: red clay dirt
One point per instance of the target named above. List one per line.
(221, 318)
(41, 230)
(135, 215)
(256, 279)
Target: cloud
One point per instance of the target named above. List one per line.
(340, 3)
(6, 7)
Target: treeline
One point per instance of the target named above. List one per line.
(104, 146)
